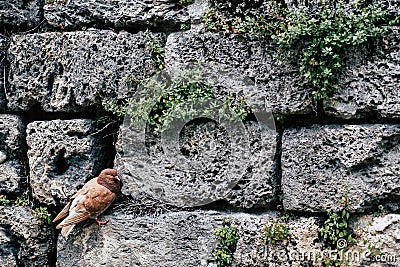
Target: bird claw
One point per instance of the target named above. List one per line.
(99, 223)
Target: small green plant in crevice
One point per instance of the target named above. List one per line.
(280, 119)
(157, 52)
(381, 211)
(337, 232)
(274, 231)
(337, 226)
(43, 214)
(4, 201)
(315, 40)
(184, 97)
(21, 201)
(228, 237)
(175, 105)
(185, 2)
(185, 26)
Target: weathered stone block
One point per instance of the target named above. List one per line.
(168, 14)
(63, 155)
(24, 240)
(74, 71)
(321, 163)
(278, 85)
(203, 164)
(369, 83)
(21, 13)
(12, 169)
(178, 239)
(187, 238)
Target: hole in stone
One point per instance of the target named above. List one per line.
(61, 163)
(202, 136)
(76, 134)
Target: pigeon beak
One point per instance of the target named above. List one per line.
(118, 178)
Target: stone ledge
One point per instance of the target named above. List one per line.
(187, 238)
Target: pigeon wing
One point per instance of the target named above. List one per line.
(98, 200)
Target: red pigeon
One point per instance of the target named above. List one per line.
(89, 202)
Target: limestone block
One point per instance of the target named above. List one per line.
(21, 13)
(74, 71)
(321, 163)
(12, 169)
(24, 239)
(62, 155)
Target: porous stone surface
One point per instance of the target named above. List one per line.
(74, 71)
(3, 48)
(12, 169)
(175, 239)
(253, 251)
(185, 238)
(379, 240)
(277, 86)
(369, 83)
(21, 13)
(24, 239)
(203, 164)
(63, 155)
(167, 14)
(321, 163)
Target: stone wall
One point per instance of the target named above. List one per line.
(60, 60)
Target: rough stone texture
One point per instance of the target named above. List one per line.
(187, 238)
(63, 155)
(382, 235)
(24, 240)
(12, 169)
(21, 13)
(319, 162)
(3, 48)
(370, 83)
(74, 71)
(252, 251)
(176, 239)
(205, 165)
(168, 14)
(277, 85)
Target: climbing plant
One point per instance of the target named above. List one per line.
(316, 39)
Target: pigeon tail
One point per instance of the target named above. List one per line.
(66, 230)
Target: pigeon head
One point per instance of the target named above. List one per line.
(109, 179)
